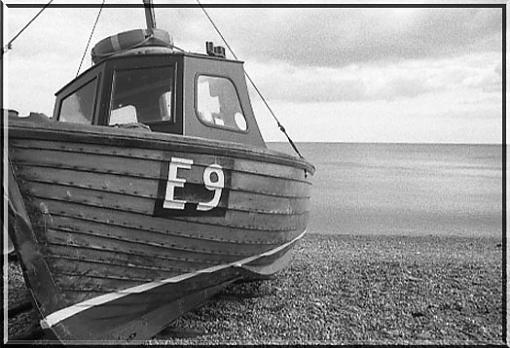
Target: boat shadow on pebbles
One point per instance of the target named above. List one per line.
(235, 295)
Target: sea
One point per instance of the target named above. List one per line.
(404, 189)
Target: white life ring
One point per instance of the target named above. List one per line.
(129, 39)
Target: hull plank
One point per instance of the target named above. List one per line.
(136, 248)
(128, 185)
(93, 285)
(245, 182)
(233, 221)
(100, 257)
(105, 269)
(97, 152)
(172, 227)
(144, 203)
(180, 243)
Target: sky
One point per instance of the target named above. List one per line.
(411, 75)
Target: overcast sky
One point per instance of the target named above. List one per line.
(347, 75)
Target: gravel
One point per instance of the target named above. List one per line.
(360, 290)
(26, 321)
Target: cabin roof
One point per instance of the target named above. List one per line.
(150, 52)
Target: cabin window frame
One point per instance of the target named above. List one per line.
(173, 116)
(141, 62)
(81, 84)
(212, 125)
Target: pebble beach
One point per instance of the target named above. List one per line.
(359, 290)
(362, 290)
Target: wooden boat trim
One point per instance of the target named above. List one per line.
(64, 313)
(141, 175)
(179, 234)
(130, 265)
(182, 259)
(186, 219)
(118, 222)
(153, 140)
(132, 156)
(293, 211)
(153, 196)
(148, 243)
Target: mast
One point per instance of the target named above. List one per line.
(150, 18)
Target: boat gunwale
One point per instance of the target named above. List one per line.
(104, 135)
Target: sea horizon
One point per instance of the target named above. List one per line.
(404, 189)
(389, 143)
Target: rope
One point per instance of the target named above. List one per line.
(90, 37)
(9, 44)
(178, 48)
(280, 126)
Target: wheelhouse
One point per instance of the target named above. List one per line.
(179, 93)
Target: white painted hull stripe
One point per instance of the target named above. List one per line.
(64, 313)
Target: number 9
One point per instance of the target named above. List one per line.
(216, 186)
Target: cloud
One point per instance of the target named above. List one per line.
(427, 119)
(393, 81)
(339, 37)
(305, 37)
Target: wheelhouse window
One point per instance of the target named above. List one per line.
(218, 104)
(143, 95)
(78, 107)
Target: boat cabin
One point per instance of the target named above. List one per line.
(189, 94)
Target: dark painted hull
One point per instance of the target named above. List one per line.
(115, 245)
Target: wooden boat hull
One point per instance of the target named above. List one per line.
(121, 231)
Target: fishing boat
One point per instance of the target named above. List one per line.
(148, 191)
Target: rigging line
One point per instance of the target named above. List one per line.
(9, 44)
(90, 37)
(178, 48)
(280, 126)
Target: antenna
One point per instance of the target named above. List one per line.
(150, 18)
